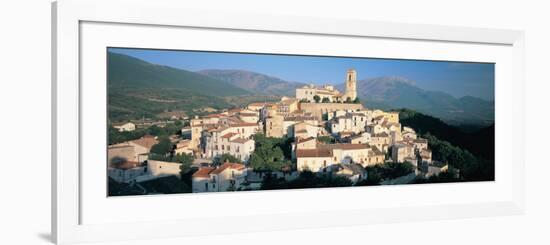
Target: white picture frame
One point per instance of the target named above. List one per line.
(69, 197)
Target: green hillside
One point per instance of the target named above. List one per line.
(393, 92)
(480, 142)
(129, 72)
(254, 82)
(139, 89)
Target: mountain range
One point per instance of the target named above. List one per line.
(256, 83)
(389, 92)
(396, 92)
(132, 79)
(126, 72)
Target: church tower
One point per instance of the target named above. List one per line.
(351, 85)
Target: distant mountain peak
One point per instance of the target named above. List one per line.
(254, 82)
(392, 79)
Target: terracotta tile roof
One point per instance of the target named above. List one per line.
(347, 133)
(235, 110)
(229, 135)
(203, 172)
(236, 166)
(375, 151)
(301, 131)
(240, 140)
(383, 134)
(299, 118)
(246, 114)
(243, 124)
(319, 152)
(146, 141)
(300, 140)
(288, 102)
(344, 146)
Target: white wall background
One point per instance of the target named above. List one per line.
(25, 121)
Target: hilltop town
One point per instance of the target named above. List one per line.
(321, 134)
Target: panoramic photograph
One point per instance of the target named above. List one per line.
(202, 121)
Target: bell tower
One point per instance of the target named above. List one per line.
(351, 85)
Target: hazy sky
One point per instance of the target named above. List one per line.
(456, 78)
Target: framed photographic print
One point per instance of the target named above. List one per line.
(168, 120)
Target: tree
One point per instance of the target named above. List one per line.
(470, 167)
(219, 160)
(163, 148)
(373, 178)
(356, 100)
(388, 170)
(325, 100)
(348, 100)
(186, 162)
(316, 98)
(307, 179)
(326, 139)
(115, 136)
(270, 154)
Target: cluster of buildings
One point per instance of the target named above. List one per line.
(129, 162)
(360, 138)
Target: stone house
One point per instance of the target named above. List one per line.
(228, 176)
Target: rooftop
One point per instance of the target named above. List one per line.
(228, 165)
(203, 172)
(314, 152)
(146, 141)
(240, 140)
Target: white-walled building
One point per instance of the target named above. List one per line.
(122, 127)
(349, 122)
(230, 140)
(126, 172)
(305, 130)
(403, 153)
(353, 172)
(323, 156)
(228, 176)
